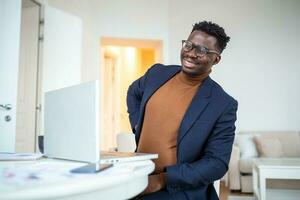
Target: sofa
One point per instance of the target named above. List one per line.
(251, 145)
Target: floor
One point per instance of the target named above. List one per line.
(272, 194)
(225, 192)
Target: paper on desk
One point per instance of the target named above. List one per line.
(5, 156)
(15, 175)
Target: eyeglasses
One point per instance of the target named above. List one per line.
(200, 50)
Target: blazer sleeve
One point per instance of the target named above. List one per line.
(214, 162)
(134, 98)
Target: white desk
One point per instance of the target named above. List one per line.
(50, 179)
(281, 168)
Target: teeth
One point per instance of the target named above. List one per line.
(189, 61)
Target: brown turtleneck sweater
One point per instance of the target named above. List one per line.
(163, 115)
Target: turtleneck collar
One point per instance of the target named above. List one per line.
(192, 80)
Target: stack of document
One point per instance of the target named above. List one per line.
(5, 156)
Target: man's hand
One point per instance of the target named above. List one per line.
(155, 183)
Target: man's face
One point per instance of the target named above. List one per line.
(194, 65)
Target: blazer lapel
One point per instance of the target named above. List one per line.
(157, 81)
(198, 104)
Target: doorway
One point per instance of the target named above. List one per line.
(123, 61)
(28, 77)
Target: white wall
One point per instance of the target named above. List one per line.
(260, 66)
(138, 19)
(62, 49)
(90, 41)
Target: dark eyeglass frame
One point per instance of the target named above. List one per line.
(200, 50)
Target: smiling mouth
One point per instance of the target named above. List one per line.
(188, 63)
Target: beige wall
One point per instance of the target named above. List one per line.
(27, 79)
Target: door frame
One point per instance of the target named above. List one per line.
(38, 77)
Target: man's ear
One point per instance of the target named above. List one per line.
(217, 60)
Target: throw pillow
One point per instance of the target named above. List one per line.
(247, 146)
(268, 146)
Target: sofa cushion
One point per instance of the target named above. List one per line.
(268, 146)
(245, 165)
(290, 144)
(246, 145)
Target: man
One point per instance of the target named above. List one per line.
(180, 113)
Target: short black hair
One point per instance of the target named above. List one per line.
(215, 30)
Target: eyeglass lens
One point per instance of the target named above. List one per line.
(188, 46)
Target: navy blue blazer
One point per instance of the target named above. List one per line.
(205, 136)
